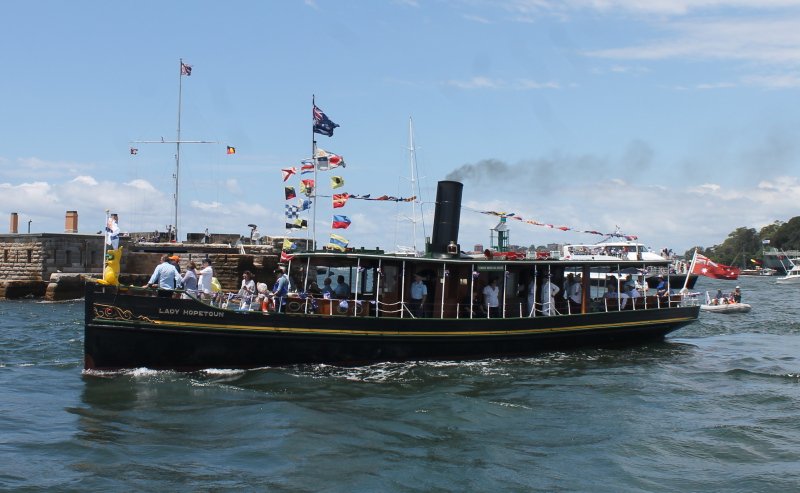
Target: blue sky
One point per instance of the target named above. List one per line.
(674, 120)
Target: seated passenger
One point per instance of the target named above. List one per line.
(342, 290)
(613, 293)
(327, 290)
(662, 289)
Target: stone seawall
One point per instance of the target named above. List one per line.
(54, 265)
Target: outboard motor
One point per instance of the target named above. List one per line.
(445, 220)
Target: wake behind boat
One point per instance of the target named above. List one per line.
(379, 317)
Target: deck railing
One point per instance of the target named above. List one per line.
(299, 304)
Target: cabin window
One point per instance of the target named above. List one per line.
(389, 283)
(5, 255)
(30, 255)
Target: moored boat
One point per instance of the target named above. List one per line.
(611, 249)
(377, 320)
(792, 276)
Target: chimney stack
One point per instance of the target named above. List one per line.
(71, 222)
(14, 228)
(446, 218)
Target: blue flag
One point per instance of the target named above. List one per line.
(340, 222)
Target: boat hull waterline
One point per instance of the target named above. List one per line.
(124, 331)
(727, 308)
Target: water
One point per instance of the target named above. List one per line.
(714, 408)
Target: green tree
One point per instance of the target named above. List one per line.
(741, 245)
(787, 235)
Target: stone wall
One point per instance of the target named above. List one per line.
(34, 257)
(27, 261)
(53, 263)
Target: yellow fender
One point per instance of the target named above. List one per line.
(111, 268)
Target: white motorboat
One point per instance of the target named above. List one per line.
(792, 276)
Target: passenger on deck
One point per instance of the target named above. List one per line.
(248, 289)
(629, 283)
(568, 285)
(491, 298)
(327, 290)
(662, 288)
(190, 279)
(548, 297)
(612, 293)
(204, 279)
(575, 295)
(281, 288)
(313, 289)
(342, 290)
(165, 277)
(419, 293)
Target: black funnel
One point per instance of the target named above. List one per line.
(446, 217)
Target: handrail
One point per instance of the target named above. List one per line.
(513, 308)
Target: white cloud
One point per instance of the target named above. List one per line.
(497, 84)
(85, 180)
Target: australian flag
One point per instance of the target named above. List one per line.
(322, 124)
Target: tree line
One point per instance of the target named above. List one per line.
(744, 244)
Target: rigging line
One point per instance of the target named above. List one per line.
(513, 215)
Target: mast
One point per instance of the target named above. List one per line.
(314, 196)
(178, 146)
(413, 163)
(182, 70)
(415, 188)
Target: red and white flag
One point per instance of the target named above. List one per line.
(287, 172)
(704, 266)
(186, 69)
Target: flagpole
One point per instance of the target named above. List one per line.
(314, 160)
(689, 273)
(178, 145)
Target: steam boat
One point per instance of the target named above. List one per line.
(129, 327)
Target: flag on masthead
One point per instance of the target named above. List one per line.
(322, 124)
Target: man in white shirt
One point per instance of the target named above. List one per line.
(575, 292)
(491, 298)
(549, 292)
(204, 280)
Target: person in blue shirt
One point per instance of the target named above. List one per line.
(419, 293)
(342, 290)
(662, 289)
(166, 277)
(281, 288)
(327, 290)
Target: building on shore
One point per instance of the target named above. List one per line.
(55, 265)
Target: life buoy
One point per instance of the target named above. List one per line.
(342, 309)
(358, 309)
(294, 307)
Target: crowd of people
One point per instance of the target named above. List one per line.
(540, 296)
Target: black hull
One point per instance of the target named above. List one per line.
(675, 281)
(124, 331)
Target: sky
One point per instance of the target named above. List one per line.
(673, 120)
